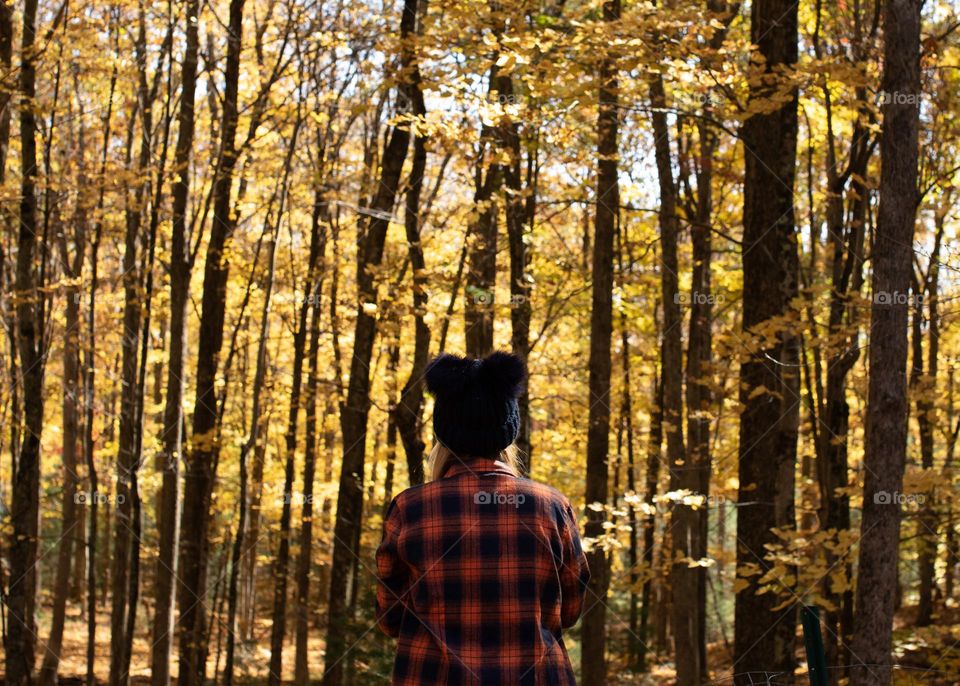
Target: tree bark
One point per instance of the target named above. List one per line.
(698, 376)
(173, 420)
(282, 560)
(353, 413)
(200, 471)
(253, 439)
(305, 559)
(886, 422)
(685, 530)
(25, 507)
(70, 529)
(601, 330)
(407, 415)
(925, 383)
(769, 388)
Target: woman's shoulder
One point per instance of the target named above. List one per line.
(418, 494)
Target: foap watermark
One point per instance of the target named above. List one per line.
(87, 498)
(480, 296)
(697, 298)
(497, 498)
(296, 498)
(891, 298)
(898, 98)
(897, 498)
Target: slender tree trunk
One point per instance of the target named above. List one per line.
(926, 388)
(601, 331)
(70, 530)
(353, 414)
(89, 444)
(9, 309)
(516, 206)
(654, 457)
(886, 422)
(173, 420)
(252, 440)
(635, 639)
(481, 277)
(282, 560)
(25, 508)
(407, 414)
(305, 559)
(685, 530)
(128, 457)
(206, 420)
(769, 388)
(698, 377)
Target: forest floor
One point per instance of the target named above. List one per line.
(929, 656)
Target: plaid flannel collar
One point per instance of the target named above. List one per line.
(478, 465)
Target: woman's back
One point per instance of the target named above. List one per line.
(479, 572)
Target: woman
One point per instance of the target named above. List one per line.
(480, 569)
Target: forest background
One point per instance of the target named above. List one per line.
(722, 235)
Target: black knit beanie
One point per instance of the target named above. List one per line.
(476, 413)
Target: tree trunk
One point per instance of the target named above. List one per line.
(685, 530)
(206, 420)
(635, 639)
(71, 529)
(126, 545)
(407, 415)
(769, 388)
(481, 277)
(282, 560)
(654, 457)
(25, 508)
(353, 413)
(253, 439)
(89, 444)
(517, 217)
(601, 330)
(305, 559)
(886, 421)
(698, 376)
(926, 389)
(173, 420)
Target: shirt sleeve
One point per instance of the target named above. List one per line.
(392, 575)
(574, 570)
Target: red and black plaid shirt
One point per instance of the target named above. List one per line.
(478, 574)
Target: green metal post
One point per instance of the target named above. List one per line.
(813, 641)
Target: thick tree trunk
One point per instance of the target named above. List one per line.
(886, 422)
(206, 420)
(354, 412)
(25, 508)
(769, 388)
(593, 630)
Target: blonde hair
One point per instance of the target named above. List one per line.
(442, 457)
